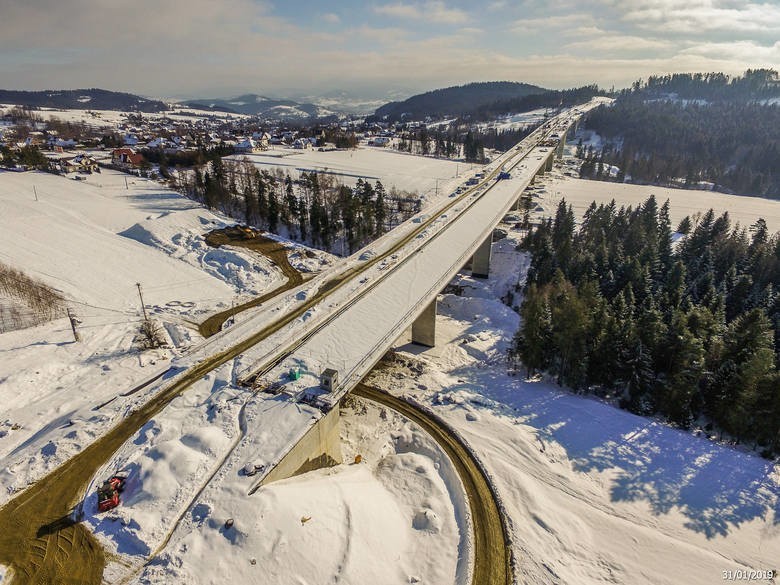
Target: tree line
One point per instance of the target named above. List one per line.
(28, 156)
(314, 208)
(724, 132)
(689, 331)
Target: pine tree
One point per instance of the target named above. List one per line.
(273, 210)
(532, 341)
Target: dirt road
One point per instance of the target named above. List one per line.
(271, 249)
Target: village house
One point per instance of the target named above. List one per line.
(247, 146)
(262, 139)
(301, 143)
(126, 157)
(85, 163)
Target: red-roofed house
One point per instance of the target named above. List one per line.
(126, 157)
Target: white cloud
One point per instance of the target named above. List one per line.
(399, 10)
(432, 11)
(198, 46)
(701, 16)
(605, 43)
(382, 35)
(546, 23)
(743, 50)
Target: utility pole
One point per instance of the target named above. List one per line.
(143, 307)
(73, 322)
(126, 186)
(36, 192)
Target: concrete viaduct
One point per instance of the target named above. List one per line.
(400, 294)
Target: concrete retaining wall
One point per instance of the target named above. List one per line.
(320, 447)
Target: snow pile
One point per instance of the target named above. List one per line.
(395, 517)
(180, 235)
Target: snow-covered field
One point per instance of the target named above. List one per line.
(684, 202)
(516, 121)
(93, 240)
(580, 193)
(394, 169)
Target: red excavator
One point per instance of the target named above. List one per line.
(108, 493)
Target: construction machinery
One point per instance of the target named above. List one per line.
(108, 493)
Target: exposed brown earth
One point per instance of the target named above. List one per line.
(243, 237)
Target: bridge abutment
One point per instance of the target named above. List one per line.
(319, 447)
(424, 327)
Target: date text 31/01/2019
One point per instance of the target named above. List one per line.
(749, 575)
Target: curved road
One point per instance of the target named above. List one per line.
(492, 550)
(271, 249)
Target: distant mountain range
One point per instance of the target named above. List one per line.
(85, 99)
(458, 100)
(264, 107)
(475, 100)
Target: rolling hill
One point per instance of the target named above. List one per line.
(458, 100)
(93, 99)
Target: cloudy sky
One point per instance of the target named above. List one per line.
(211, 48)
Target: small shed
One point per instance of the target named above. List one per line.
(329, 379)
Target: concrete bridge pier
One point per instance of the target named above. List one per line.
(548, 164)
(424, 327)
(480, 263)
(559, 148)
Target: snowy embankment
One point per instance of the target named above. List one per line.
(595, 494)
(396, 517)
(93, 240)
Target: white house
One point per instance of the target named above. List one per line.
(247, 145)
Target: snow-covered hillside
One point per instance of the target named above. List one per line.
(93, 241)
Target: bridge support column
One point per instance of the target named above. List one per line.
(559, 149)
(480, 264)
(548, 164)
(424, 327)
